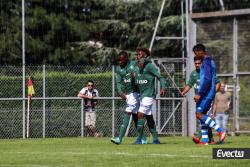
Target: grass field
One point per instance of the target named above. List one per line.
(87, 152)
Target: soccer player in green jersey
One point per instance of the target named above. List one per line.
(128, 91)
(194, 81)
(145, 80)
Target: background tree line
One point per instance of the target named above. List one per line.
(87, 32)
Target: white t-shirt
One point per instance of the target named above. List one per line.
(87, 92)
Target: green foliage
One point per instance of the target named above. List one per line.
(58, 84)
(206, 5)
(54, 28)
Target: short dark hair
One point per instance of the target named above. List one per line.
(123, 53)
(199, 47)
(91, 81)
(197, 58)
(145, 50)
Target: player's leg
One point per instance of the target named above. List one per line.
(211, 123)
(152, 129)
(143, 139)
(146, 107)
(204, 132)
(210, 132)
(203, 105)
(131, 104)
(123, 128)
(210, 136)
(197, 137)
(140, 124)
(141, 113)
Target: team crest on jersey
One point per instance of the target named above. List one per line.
(126, 80)
(197, 84)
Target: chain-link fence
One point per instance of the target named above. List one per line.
(57, 112)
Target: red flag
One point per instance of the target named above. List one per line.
(31, 90)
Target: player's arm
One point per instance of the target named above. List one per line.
(118, 80)
(185, 90)
(189, 85)
(119, 85)
(153, 70)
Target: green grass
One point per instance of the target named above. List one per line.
(87, 152)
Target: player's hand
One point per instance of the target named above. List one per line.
(197, 98)
(123, 96)
(162, 92)
(212, 116)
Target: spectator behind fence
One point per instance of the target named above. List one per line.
(89, 94)
(222, 106)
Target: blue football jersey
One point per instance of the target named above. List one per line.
(207, 78)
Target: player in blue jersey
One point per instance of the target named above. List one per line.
(194, 81)
(206, 94)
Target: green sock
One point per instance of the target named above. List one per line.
(124, 126)
(154, 133)
(198, 134)
(140, 125)
(143, 136)
(210, 135)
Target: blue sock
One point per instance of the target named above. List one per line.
(211, 123)
(204, 132)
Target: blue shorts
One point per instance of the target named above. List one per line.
(204, 105)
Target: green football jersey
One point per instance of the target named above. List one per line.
(124, 82)
(145, 80)
(194, 80)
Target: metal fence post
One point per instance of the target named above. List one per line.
(113, 101)
(44, 102)
(184, 117)
(23, 63)
(235, 77)
(82, 118)
(24, 108)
